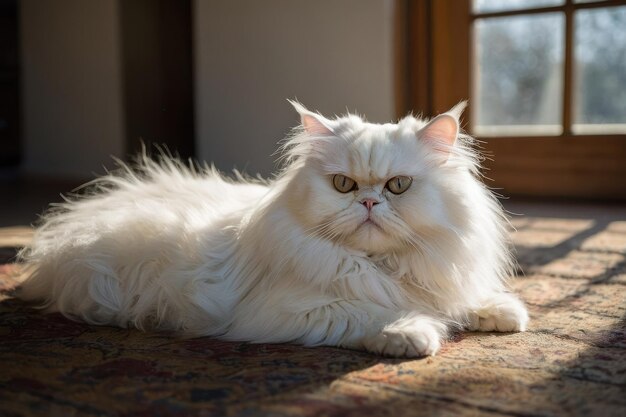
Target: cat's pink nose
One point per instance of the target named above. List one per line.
(369, 203)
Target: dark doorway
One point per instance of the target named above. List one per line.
(9, 86)
(157, 74)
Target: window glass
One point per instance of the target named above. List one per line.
(600, 70)
(518, 75)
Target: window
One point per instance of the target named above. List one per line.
(520, 51)
(547, 86)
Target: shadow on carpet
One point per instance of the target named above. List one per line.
(571, 361)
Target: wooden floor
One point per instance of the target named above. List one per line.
(22, 201)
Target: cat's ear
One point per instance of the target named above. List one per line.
(443, 131)
(314, 124)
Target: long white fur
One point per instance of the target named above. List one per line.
(168, 246)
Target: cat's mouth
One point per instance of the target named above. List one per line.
(369, 222)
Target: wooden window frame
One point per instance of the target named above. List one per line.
(439, 74)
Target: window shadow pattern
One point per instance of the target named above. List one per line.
(571, 361)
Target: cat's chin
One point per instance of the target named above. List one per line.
(372, 238)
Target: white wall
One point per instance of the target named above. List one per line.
(71, 86)
(252, 55)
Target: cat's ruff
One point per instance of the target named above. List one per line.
(405, 245)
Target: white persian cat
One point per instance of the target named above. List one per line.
(376, 237)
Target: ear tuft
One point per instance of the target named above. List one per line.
(313, 123)
(457, 110)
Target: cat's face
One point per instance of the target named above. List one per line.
(373, 188)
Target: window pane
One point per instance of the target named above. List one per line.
(486, 6)
(600, 70)
(518, 76)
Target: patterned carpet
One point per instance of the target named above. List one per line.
(572, 361)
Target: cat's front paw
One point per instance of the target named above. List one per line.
(503, 314)
(403, 342)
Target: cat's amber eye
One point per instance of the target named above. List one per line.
(344, 184)
(399, 184)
